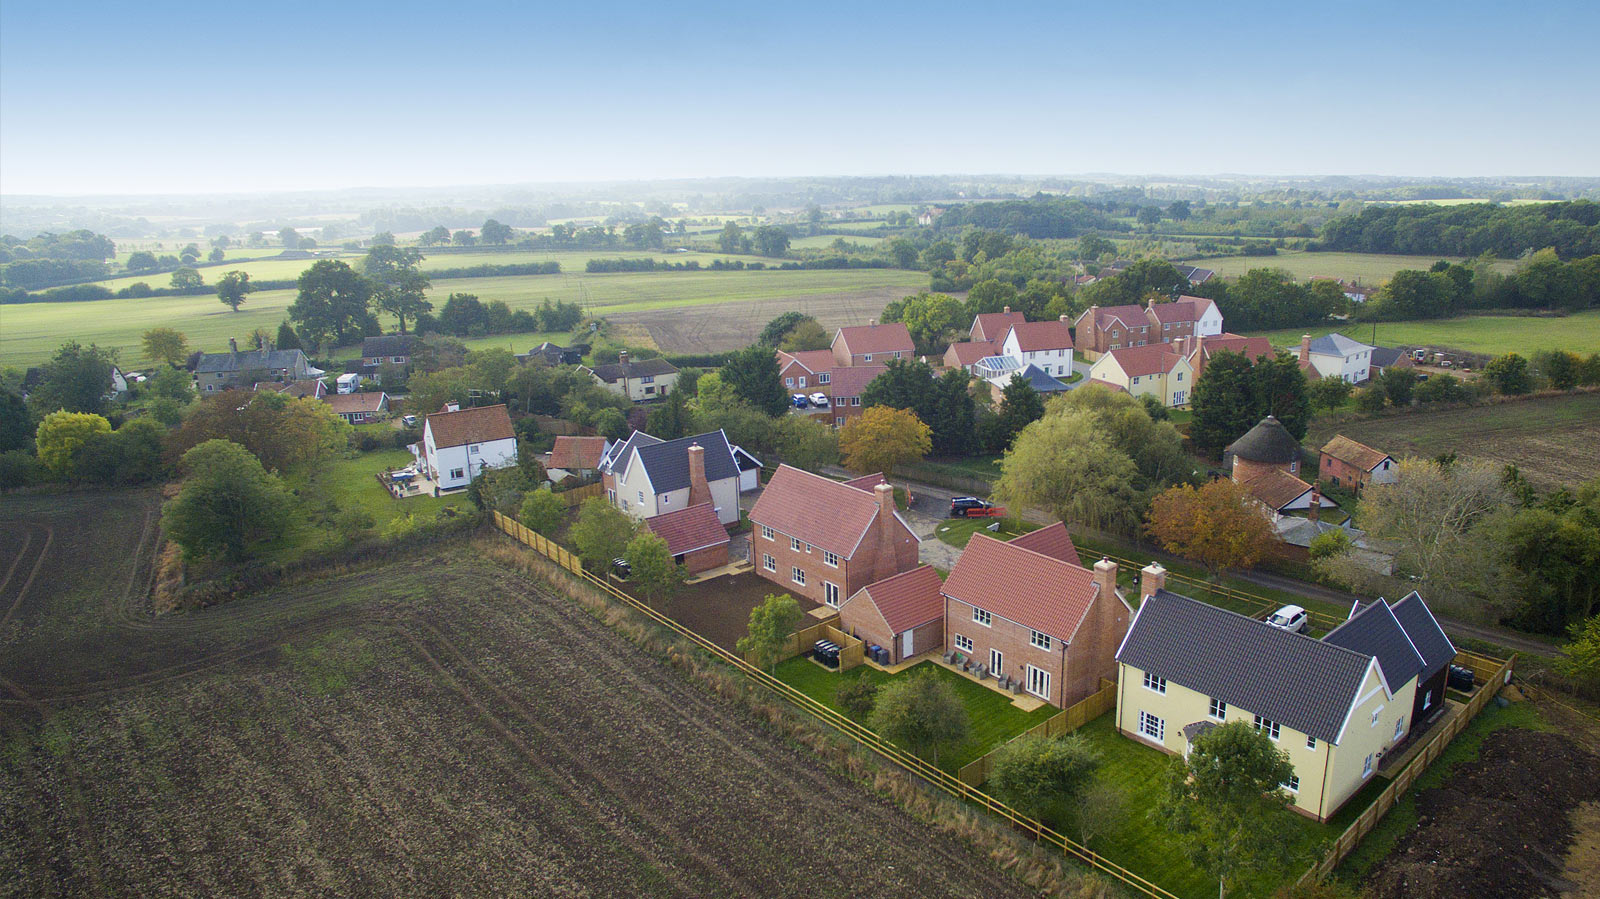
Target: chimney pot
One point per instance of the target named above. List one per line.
(872, 323)
(1008, 310)
(622, 357)
(1063, 318)
(233, 346)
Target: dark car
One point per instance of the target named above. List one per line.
(621, 568)
(962, 506)
(1460, 678)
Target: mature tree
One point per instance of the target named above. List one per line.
(289, 237)
(922, 713)
(542, 511)
(495, 234)
(903, 252)
(1039, 776)
(930, 317)
(186, 277)
(166, 345)
(332, 303)
(771, 623)
(284, 433)
(671, 419)
(216, 255)
(434, 236)
(601, 532)
(771, 240)
(807, 335)
(1580, 659)
(1559, 367)
(731, 238)
(1554, 553)
(1020, 406)
(228, 504)
(857, 695)
(990, 296)
(1508, 374)
(1279, 388)
(1149, 215)
(232, 287)
(16, 422)
(129, 455)
(1226, 798)
(76, 379)
(1442, 388)
(1155, 447)
(1180, 210)
(1218, 525)
(398, 286)
(755, 378)
(654, 574)
(1398, 385)
(287, 338)
(141, 261)
(881, 438)
(1328, 394)
(804, 442)
(773, 333)
(1093, 246)
(1371, 398)
(171, 383)
(1065, 466)
(19, 468)
(61, 437)
(1223, 402)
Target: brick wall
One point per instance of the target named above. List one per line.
(706, 559)
(1013, 641)
(1340, 473)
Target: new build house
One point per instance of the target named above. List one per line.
(872, 344)
(1027, 611)
(1335, 356)
(992, 326)
(827, 539)
(806, 371)
(459, 444)
(645, 476)
(1155, 369)
(1047, 345)
(1102, 329)
(1336, 706)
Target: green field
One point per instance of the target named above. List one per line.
(1489, 334)
(823, 241)
(30, 332)
(1364, 268)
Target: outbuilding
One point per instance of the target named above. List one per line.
(904, 614)
(694, 536)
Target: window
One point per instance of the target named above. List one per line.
(824, 378)
(768, 562)
(1152, 727)
(1292, 784)
(1151, 682)
(1039, 640)
(649, 390)
(830, 594)
(473, 449)
(1399, 726)
(794, 543)
(1366, 767)
(1270, 727)
(798, 576)
(855, 401)
(997, 662)
(963, 643)
(766, 532)
(788, 382)
(867, 358)
(1180, 376)
(830, 559)
(1039, 682)
(1219, 710)
(1375, 713)
(1311, 743)
(398, 359)
(457, 473)
(838, 421)
(666, 499)
(1427, 700)
(641, 497)
(1135, 379)
(897, 354)
(648, 379)
(982, 617)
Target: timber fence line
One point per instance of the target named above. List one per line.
(1068, 720)
(577, 495)
(850, 728)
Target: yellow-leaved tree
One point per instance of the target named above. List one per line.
(881, 438)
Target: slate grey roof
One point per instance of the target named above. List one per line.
(668, 463)
(1425, 633)
(1268, 441)
(1337, 344)
(1304, 684)
(1374, 631)
(644, 368)
(622, 449)
(249, 360)
(1385, 356)
(387, 345)
(1041, 381)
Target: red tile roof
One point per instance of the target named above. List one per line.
(1275, 488)
(1358, 454)
(908, 599)
(1035, 336)
(994, 325)
(352, 403)
(1130, 316)
(1150, 359)
(816, 510)
(577, 452)
(1052, 541)
(1179, 311)
(1251, 347)
(479, 425)
(970, 351)
(812, 360)
(886, 337)
(687, 530)
(1021, 585)
(851, 381)
(866, 482)
(1118, 388)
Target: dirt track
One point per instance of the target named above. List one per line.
(437, 726)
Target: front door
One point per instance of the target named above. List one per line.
(997, 663)
(905, 645)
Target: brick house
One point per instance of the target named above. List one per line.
(992, 326)
(806, 371)
(1199, 349)
(826, 539)
(694, 536)
(395, 349)
(1267, 445)
(844, 390)
(904, 614)
(872, 344)
(1028, 611)
(1105, 328)
(966, 353)
(358, 408)
(1346, 463)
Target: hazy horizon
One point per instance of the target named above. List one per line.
(183, 99)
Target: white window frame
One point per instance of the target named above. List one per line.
(1292, 784)
(1270, 727)
(795, 544)
(1152, 727)
(1039, 641)
(1375, 713)
(824, 378)
(1311, 744)
(1038, 682)
(766, 533)
(982, 616)
(1366, 767)
(1155, 683)
(797, 574)
(830, 559)
(830, 594)
(768, 562)
(457, 473)
(867, 357)
(1218, 709)
(964, 644)
(1399, 726)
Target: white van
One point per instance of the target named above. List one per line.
(348, 383)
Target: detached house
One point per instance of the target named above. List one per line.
(1155, 369)
(992, 326)
(1027, 611)
(1346, 463)
(826, 539)
(1046, 345)
(1266, 462)
(1335, 356)
(1105, 328)
(459, 444)
(220, 371)
(1199, 349)
(805, 371)
(394, 349)
(1336, 706)
(646, 379)
(646, 476)
(844, 390)
(358, 408)
(872, 344)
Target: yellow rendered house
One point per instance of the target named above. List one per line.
(1154, 369)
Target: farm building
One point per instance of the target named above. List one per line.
(1347, 463)
(904, 613)
(694, 536)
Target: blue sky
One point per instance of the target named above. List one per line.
(169, 97)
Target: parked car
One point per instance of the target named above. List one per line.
(621, 568)
(1460, 678)
(820, 400)
(799, 400)
(1290, 618)
(409, 421)
(972, 507)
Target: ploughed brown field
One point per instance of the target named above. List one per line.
(441, 725)
(716, 327)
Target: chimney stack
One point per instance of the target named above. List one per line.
(699, 487)
(1305, 348)
(1064, 319)
(1316, 502)
(886, 564)
(1008, 310)
(1105, 577)
(1152, 578)
(233, 346)
(622, 358)
(872, 323)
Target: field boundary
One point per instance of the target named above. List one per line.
(1066, 721)
(862, 735)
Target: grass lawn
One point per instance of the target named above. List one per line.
(983, 466)
(348, 481)
(1143, 843)
(1367, 268)
(1488, 334)
(958, 531)
(993, 719)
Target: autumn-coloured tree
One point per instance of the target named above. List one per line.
(881, 438)
(1218, 525)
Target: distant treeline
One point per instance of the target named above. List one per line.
(1572, 229)
(1542, 282)
(464, 315)
(1039, 217)
(495, 271)
(734, 265)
